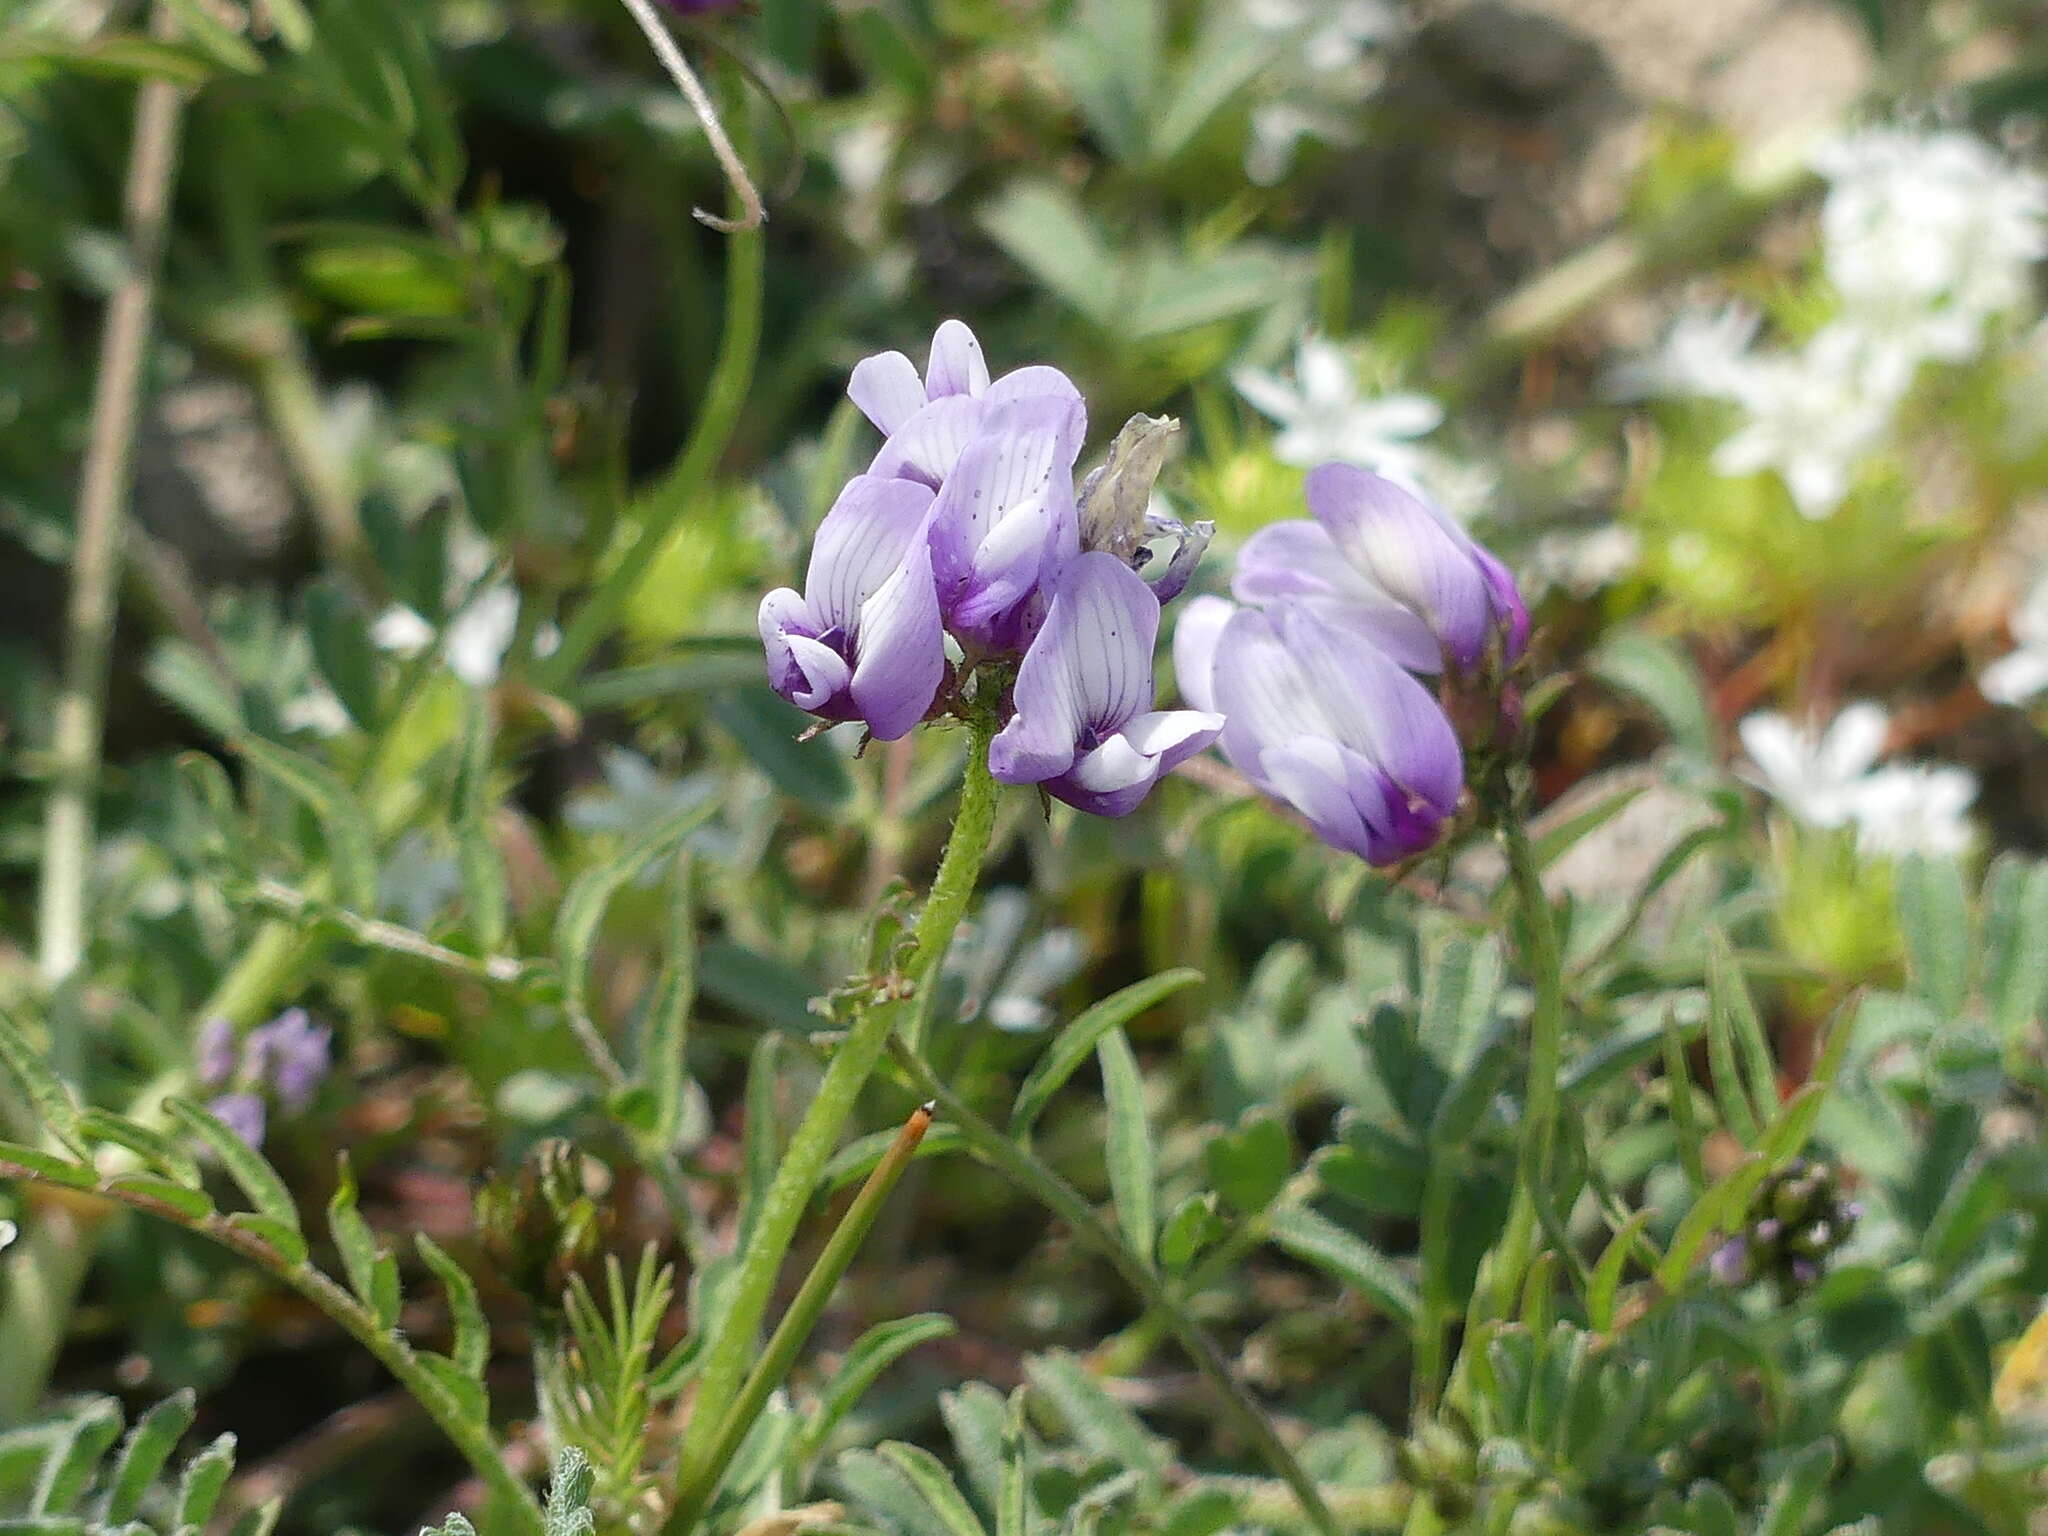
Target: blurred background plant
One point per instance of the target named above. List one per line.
(434, 744)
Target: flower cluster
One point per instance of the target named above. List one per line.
(1833, 778)
(965, 545)
(1314, 667)
(1926, 238)
(283, 1061)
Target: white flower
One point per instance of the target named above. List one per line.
(1832, 779)
(1582, 561)
(1912, 808)
(478, 637)
(1326, 64)
(1705, 353)
(401, 630)
(2017, 677)
(1929, 235)
(316, 710)
(1815, 775)
(1322, 415)
(1814, 414)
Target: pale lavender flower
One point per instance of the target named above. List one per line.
(1085, 727)
(1405, 575)
(214, 1052)
(1004, 523)
(242, 1113)
(928, 422)
(292, 1054)
(1320, 718)
(1730, 1262)
(864, 640)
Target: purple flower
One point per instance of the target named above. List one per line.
(1003, 524)
(291, 1052)
(1730, 1263)
(1400, 563)
(864, 640)
(214, 1052)
(242, 1113)
(1085, 727)
(1321, 718)
(928, 422)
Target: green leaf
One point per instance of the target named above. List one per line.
(583, 908)
(284, 1239)
(568, 1506)
(205, 1475)
(1684, 1119)
(1660, 675)
(872, 1354)
(1807, 1473)
(881, 1487)
(767, 730)
(935, 1485)
(974, 1415)
(144, 1454)
(1073, 1044)
(1093, 1417)
(1731, 1093)
(857, 1159)
(1227, 58)
(1108, 59)
(1608, 1271)
(1013, 1511)
(1460, 991)
(1350, 1259)
(75, 1458)
(1934, 919)
(189, 1203)
(201, 25)
(48, 1095)
(472, 1347)
(342, 649)
(1193, 1225)
(151, 1145)
(372, 1272)
(760, 1134)
(1729, 993)
(1250, 1165)
(351, 850)
(463, 1390)
(1133, 1168)
(1559, 840)
(258, 1180)
(48, 1167)
(476, 843)
(1041, 227)
(2015, 956)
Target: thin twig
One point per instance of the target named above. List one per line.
(753, 215)
(76, 729)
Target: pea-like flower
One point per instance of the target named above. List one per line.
(1004, 523)
(1325, 721)
(863, 640)
(1084, 725)
(1381, 560)
(927, 422)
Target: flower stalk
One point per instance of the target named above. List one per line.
(803, 1162)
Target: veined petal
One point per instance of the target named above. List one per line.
(899, 646)
(1409, 550)
(887, 390)
(1265, 697)
(1016, 456)
(926, 447)
(1040, 382)
(1089, 670)
(820, 674)
(1314, 775)
(784, 613)
(1297, 559)
(955, 366)
(860, 543)
(1195, 636)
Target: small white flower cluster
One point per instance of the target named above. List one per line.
(2023, 673)
(1926, 238)
(1832, 778)
(1324, 415)
(1326, 63)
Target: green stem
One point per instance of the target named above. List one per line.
(79, 714)
(852, 1064)
(1542, 959)
(1024, 1169)
(663, 507)
(470, 1437)
(795, 1328)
